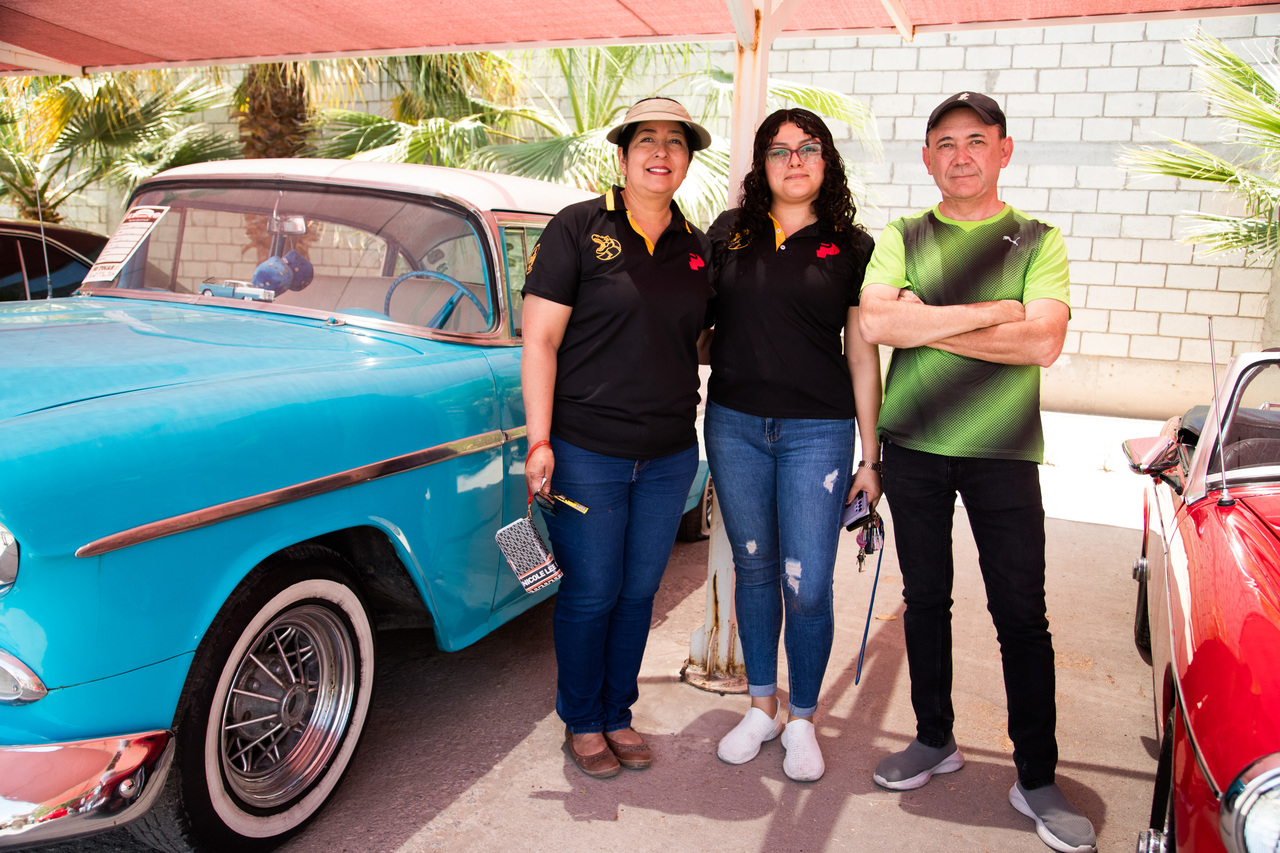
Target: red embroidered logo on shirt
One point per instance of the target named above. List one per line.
(828, 249)
(696, 262)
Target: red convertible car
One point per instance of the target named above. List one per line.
(1208, 615)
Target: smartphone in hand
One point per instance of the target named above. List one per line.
(857, 513)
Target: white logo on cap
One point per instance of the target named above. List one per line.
(964, 96)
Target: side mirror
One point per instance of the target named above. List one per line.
(1151, 456)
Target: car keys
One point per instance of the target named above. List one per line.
(870, 538)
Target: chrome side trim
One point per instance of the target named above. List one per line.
(243, 506)
(62, 791)
(30, 687)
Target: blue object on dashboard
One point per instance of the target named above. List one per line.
(301, 268)
(273, 274)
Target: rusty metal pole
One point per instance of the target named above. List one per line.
(715, 656)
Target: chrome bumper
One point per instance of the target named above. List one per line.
(60, 791)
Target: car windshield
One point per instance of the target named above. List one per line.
(1252, 448)
(328, 250)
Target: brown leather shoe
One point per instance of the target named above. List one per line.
(636, 756)
(599, 765)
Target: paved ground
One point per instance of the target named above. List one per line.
(465, 753)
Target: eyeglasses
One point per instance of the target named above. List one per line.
(810, 153)
(546, 502)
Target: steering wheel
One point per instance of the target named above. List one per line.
(446, 310)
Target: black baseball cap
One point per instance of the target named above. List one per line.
(988, 110)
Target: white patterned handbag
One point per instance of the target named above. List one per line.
(527, 554)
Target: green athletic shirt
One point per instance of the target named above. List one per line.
(953, 405)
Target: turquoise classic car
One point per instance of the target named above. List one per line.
(285, 406)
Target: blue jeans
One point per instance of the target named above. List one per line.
(1002, 500)
(613, 558)
(782, 483)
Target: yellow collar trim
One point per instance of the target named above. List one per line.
(778, 237)
(611, 205)
(636, 228)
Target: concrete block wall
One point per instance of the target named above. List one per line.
(1075, 97)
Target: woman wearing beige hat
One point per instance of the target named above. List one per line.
(614, 301)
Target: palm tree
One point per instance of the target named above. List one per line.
(445, 107)
(58, 135)
(1246, 97)
(273, 116)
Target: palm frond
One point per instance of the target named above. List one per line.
(1253, 236)
(347, 133)
(196, 143)
(1246, 97)
(1241, 93)
(583, 160)
(705, 191)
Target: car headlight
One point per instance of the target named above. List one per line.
(8, 559)
(1249, 817)
(18, 684)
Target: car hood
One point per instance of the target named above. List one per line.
(65, 351)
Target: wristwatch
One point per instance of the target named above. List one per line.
(878, 467)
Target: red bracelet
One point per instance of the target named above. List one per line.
(536, 445)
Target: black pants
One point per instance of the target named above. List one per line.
(1002, 499)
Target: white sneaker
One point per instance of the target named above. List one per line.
(804, 759)
(743, 743)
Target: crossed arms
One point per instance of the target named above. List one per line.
(1005, 331)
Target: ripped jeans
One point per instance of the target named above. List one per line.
(781, 484)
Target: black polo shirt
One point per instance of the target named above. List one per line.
(779, 311)
(627, 369)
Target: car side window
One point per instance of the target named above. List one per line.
(518, 243)
(19, 255)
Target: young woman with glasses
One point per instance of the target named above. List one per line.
(788, 397)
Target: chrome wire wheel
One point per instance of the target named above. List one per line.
(271, 714)
(290, 700)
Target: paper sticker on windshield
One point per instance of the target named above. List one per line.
(137, 224)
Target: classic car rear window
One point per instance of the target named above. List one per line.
(393, 257)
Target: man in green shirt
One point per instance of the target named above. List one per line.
(973, 295)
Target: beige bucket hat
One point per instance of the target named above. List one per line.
(663, 109)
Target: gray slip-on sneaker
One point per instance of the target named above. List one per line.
(914, 766)
(1058, 823)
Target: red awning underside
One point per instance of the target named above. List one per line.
(99, 35)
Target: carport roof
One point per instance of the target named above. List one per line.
(85, 36)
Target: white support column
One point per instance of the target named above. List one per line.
(715, 658)
(756, 23)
